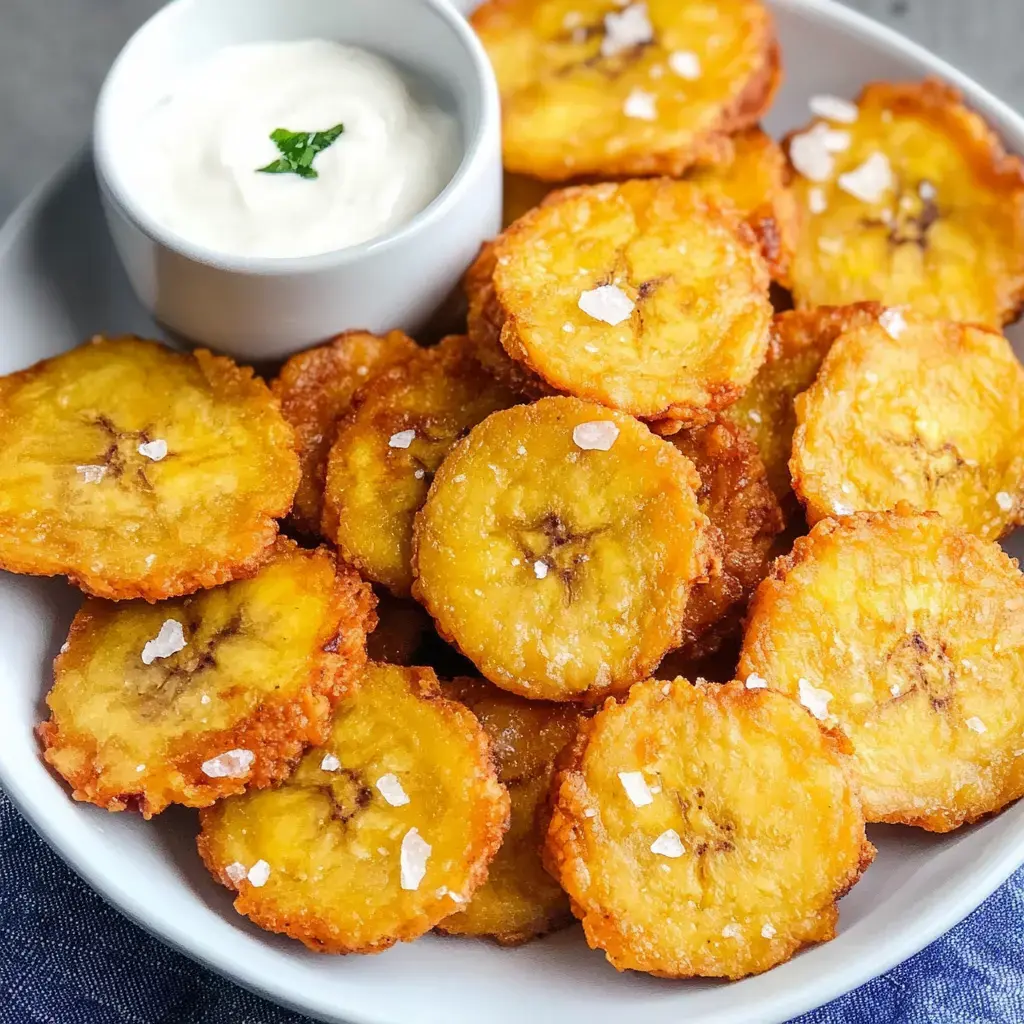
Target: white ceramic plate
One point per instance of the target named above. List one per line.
(60, 282)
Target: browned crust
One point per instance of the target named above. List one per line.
(488, 827)
(566, 846)
(310, 388)
(277, 731)
(250, 548)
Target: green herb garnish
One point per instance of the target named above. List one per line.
(298, 150)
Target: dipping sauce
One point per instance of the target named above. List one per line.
(354, 153)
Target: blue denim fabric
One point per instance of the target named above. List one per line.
(68, 958)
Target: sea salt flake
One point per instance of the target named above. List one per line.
(168, 641)
(975, 724)
(685, 64)
(816, 201)
(1004, 501)
(402, 439)
(812, 151)
(892, 322)
(768, 931)
(640, 105)
(927, 191)
(65, 647)
(595, 435)
(668, 844)
(870, 181)
(391, 789)
(329, 763)
(205, 699)
(814, 699)
(419, 474)
(155, 450)
(232, 764)
(455, 897)
(140, 767)
(590, 812)
(258, 874)
(755, 682)
(636, 788)
(731, 931)
(834, 109)
(540, 569)
(568, 327)
(608, 303)
(91, 474)
(895, 689)
(235, 871)
(413, 859)
(626, 29)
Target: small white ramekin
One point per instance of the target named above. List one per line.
(264, 308)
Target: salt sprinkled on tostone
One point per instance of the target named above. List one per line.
(811, 152)
(870, 181)
(668, 844)
(636, 788)
(755, 682)
(205, 699)
(235, 871)
(608, 303)
(91, 474)
(168, 641)
(834, 109)
(595, 435)
(768, 931)
(640, 105)
(329, 763)
(155, 450)
(413, 859)
(140, 767)
(402, 439)
(816, 201)
(814, 699)
(391, 789)
(927, 191)
(731, 931)
(892, 322)
(590, 812)
(540, 569)
(232, 764)
(975, 724)
(1004, 501)
(685, 64)
(259, 873)
(626, 29)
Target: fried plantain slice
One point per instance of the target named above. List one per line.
(745, 519)
(520, 901)
(904, 204)
(389, 446)
(922, 669)
(908, 408)
(705, 831)
(140, 472)
(800, 340)
(315, 387)
(379, 834)
(594, 87)
(615, 293)
(194, 699)
(403, 628)
(558, 546)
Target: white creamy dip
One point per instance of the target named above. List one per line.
(194, 163)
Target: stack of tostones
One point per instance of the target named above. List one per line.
(908, 197)
(382, 832)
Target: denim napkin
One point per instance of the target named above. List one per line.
(68, 958)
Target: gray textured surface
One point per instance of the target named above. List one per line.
(53, 54)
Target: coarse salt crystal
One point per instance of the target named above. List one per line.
(258, 874)
(329, 763)
(755, 682)
(91, 474)
(1004, 501)
(814, 699)
(155, 450)
(975, 724)
(640, 105)
(568, 327)
(590, 812)
(235, 871)
(816, 201)
(140, 767)
(402, 439)
(636, 788)
(927, 191)
(595, 435)
(540, 569)
(895, 689)
(812, 151)
(391, 789)
(731, 931)
(419, 474)
(205, 699)
(413, 859)
(65, 647)
(668, 844)
(892, 322)
(834, 109)
(626, 29)
(168, 641)
(870, 181)
(685, 64)
(232, 764)
(608, 303)
(768, 931)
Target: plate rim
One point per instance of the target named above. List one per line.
(936, 920)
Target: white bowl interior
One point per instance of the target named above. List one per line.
(60, 282)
